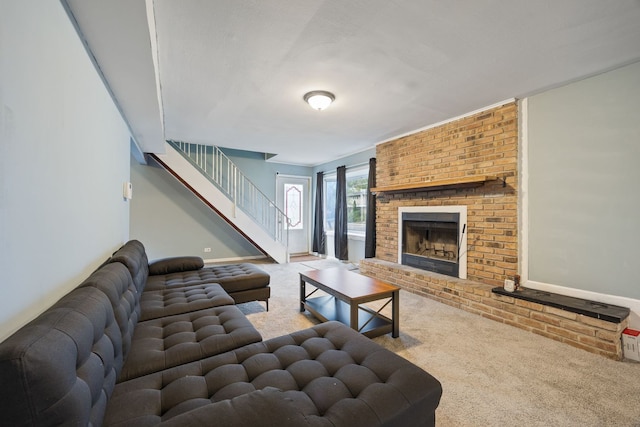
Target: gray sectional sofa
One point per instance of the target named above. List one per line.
(243, 282)
(92, 359)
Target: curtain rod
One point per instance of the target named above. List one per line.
(357, 165)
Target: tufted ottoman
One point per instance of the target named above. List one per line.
(328, 375)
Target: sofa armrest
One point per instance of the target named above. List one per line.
(175, 265)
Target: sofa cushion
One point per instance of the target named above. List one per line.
(133, 255)
(61, 368)
(328, 375)
(170, 341)
(116, 283)
(168, 302)
(232, 277)
(175, 265)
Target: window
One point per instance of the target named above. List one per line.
(357, 179)
(293, 205)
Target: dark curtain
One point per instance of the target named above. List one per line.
(341, 241)
(370, 225)
(318, 225)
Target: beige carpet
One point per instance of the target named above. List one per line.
(492, 374)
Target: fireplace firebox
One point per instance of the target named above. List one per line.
(433, 240)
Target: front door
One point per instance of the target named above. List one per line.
(292, 197)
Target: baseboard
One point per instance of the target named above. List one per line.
(633, 304)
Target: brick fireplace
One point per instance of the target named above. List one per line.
(484, 144)
(470, 162)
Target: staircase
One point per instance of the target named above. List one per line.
(208, 173)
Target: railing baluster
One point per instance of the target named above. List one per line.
(223, 173)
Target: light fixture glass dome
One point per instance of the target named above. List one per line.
(319, 99)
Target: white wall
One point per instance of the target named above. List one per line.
(64, 155)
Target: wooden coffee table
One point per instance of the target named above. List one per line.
(347, 291)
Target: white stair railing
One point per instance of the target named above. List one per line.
(244, 195)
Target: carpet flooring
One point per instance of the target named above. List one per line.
(492, 374)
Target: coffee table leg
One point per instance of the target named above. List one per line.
(395, 314)
(302, 295)
(353, 318)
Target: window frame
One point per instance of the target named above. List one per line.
(356, 171)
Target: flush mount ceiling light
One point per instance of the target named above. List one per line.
(319, 99)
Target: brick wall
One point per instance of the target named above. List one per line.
(482, 144)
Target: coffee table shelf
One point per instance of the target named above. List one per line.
(328, 308)
(347, 292)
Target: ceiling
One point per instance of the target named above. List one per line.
(233, 73)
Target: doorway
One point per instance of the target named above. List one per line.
(292, 197)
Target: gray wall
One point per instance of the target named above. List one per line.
(171, 221)
(64, 156)
(261, 172)
(584, 199)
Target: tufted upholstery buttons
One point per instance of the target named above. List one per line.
(168, 302)
(325, 375)
(205, 330)
(233, 277)
(170, 341)
(66, 360)
(114, 280)
(91, 359)
(243, 282)
(133, 255)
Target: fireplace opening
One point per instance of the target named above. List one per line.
(433, 241)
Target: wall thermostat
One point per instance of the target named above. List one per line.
(127, 190)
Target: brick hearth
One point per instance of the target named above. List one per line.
(593, 335)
